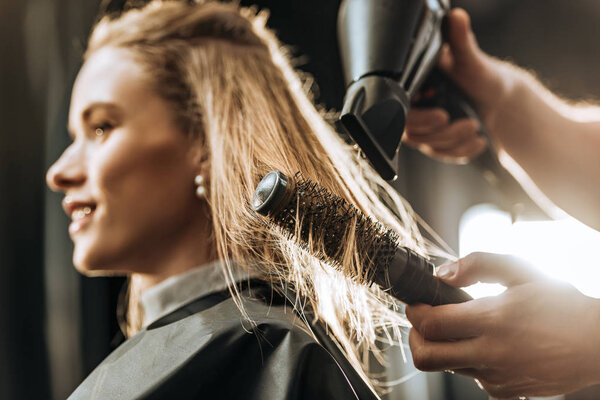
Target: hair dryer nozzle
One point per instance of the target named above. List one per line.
(374, 114)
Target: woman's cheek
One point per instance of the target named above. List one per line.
(141, 181)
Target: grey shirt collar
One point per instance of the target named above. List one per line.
(176, 291)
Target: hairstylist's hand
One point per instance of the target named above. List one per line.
(483, 79)
(538, 338)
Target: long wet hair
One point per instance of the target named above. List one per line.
(232, 86)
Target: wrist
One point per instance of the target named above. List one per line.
(506, 87)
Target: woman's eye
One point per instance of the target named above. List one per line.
(102, 129)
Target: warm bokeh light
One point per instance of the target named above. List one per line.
(562, 249)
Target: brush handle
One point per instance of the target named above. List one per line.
(410, 279)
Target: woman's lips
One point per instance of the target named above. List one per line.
(81, 216)
(80, 210)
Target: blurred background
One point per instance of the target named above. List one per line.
(57, 325)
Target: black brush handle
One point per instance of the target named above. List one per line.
(408, 276)
(410, 279)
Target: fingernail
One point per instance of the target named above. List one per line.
(447, 270)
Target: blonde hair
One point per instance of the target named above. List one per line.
(231, 84)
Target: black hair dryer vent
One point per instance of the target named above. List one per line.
(388, 47)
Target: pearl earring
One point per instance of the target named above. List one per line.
(200, 189)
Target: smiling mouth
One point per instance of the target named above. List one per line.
(81, 213)
(81, 216)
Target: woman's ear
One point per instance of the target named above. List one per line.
(202, 162)
(200, 158)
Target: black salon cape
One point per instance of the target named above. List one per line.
(204, 351)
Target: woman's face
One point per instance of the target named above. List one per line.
(128, 175)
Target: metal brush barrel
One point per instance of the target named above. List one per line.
(408, 276)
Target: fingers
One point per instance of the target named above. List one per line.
(431, 126)
(428, 130)
(426, 121)
(441, 356)
(448, 322)
(461, 154)
(489, 268)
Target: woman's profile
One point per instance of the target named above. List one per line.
(178, 112)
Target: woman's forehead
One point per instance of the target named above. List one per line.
(109, 75)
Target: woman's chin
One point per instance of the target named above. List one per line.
(98, 272)
(88, 265)
(85, 270)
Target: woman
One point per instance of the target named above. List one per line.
(176, 114)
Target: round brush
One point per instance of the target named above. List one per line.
(323, 223)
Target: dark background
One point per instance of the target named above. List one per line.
(57, 325)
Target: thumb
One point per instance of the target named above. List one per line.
(489, 268)
(460, 35)
(463, 45)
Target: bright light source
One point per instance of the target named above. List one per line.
(563, 249)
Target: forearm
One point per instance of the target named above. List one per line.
(556, 144)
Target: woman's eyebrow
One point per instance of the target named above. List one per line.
(85, 115)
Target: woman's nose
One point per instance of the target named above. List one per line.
(68, 171)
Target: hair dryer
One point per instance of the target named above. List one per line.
(389, 50)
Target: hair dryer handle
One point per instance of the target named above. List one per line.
(440, 91)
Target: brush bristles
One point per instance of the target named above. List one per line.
(326, 226)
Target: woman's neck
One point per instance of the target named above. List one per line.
(190, 249)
